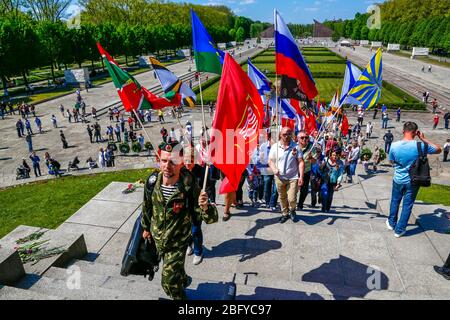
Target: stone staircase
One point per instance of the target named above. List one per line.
(319, 257)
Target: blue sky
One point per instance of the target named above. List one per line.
(293, 11)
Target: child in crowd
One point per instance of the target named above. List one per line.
(253, 184)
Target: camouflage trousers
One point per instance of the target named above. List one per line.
(174, 278)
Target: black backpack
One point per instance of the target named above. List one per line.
(419, 171)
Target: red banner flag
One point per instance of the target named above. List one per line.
(310, 123)
(290, 123)
(345, 126)
(235, 131)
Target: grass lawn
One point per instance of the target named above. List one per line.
(36, 98)
(49, 203)
(326, 87)
(437, 194)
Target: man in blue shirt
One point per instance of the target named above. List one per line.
(402, 155)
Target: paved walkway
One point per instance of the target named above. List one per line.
(12, 149)
(346, 254)
(406, 74)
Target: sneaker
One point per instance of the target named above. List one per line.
(399, 235)
(274, 209)
(197, 260)
(293, 215)
(189, 251)
(283, 219)
(388, 225)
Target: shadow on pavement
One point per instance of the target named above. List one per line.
(345, 278)
(246, 248)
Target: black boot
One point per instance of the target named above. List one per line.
(444, 270)
(447, 263)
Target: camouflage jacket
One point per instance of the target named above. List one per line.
(170, 224)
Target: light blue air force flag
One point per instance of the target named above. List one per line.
(352, 74)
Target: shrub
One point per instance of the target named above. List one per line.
(124, 148)
(148, 146)
(136, 147)
(365, 152)
(383, 155)
(112, 146)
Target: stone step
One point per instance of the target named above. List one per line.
(139, 286)
(74, 244)
(12, 293)
(113, 270)
(49, 286)
(21, 231)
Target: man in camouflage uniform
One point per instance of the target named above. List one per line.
(167, 213)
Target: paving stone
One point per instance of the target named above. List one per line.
(96, 237)
(64, 288)
(103, 213)
(12, 293)
(113, 193)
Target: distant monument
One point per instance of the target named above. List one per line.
(268, 33)
(321, 32)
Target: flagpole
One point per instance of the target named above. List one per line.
(205, 131)
(276, 87)
(146, 133)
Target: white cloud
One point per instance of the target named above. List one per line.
(246, 2)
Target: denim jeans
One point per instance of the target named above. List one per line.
(253, 194)
(270, 191)
(327, 192)
(387, 147)
(197, 238)
(408, 193)
(384, 124)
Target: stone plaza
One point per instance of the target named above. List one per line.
(344, 255)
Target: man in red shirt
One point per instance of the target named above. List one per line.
(130, 122)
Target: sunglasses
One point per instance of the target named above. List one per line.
(303, 138)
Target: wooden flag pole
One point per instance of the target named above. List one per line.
(205, 131)
(146, 133)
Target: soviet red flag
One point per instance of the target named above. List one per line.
(239, 117)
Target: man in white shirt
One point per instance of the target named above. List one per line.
(261, 156)
(286, 162)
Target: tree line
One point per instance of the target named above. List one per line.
(431, 32)
(36, 39)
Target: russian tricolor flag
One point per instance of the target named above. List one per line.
(289, 60)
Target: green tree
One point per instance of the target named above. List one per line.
(240, 35)
(42, 10)
(51, 37)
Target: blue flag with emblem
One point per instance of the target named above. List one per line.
(367, 88)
